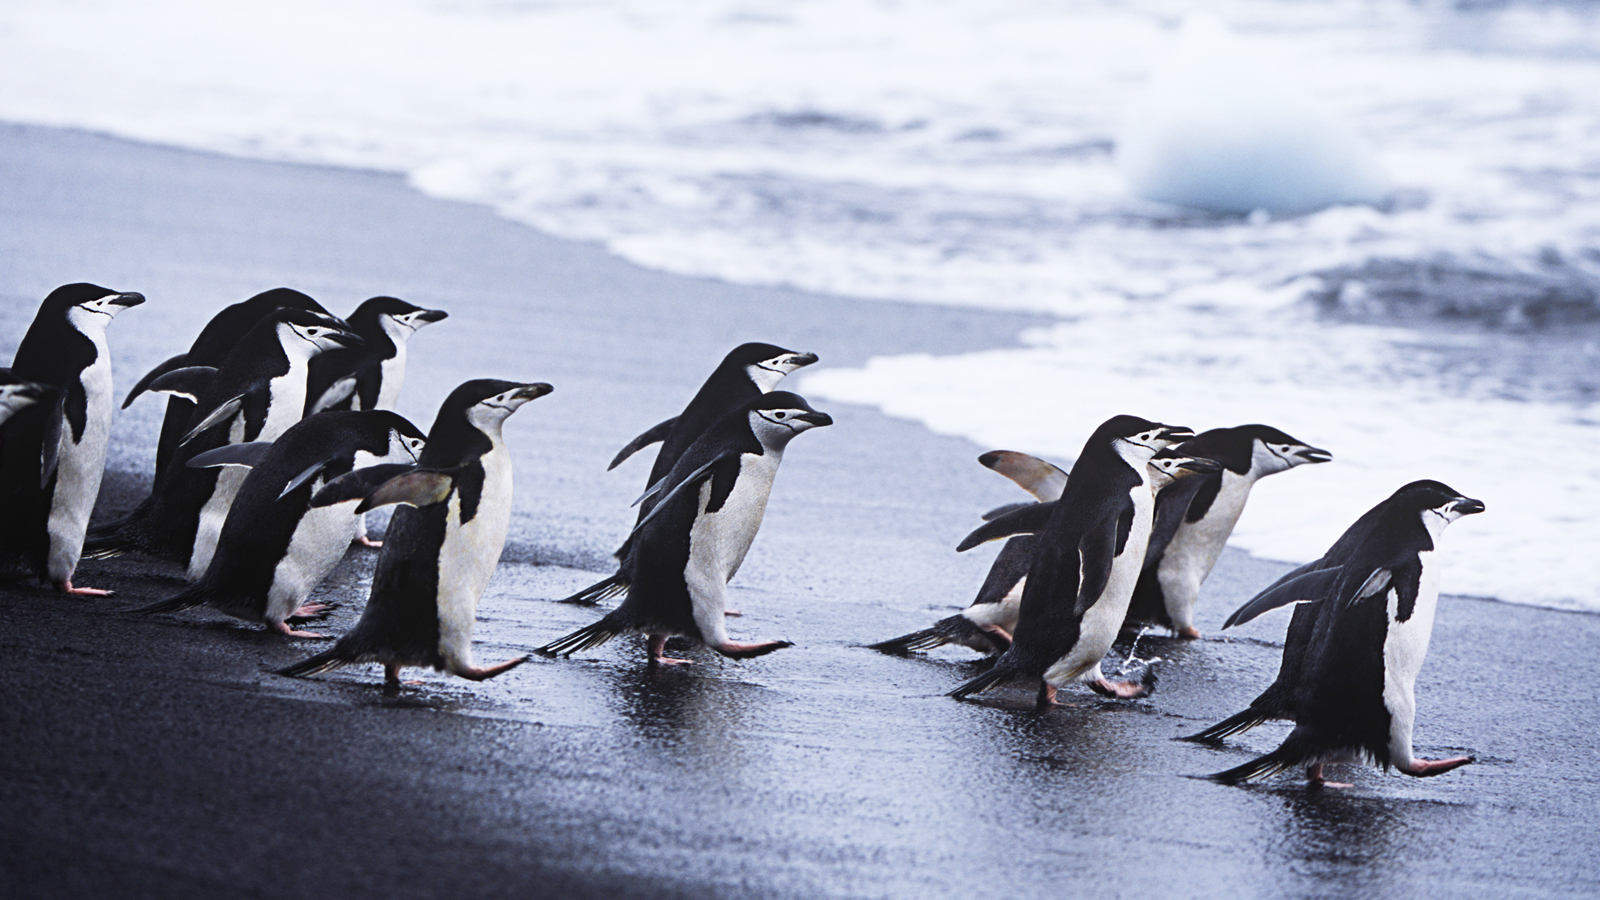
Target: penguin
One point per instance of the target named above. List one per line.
(747, 372)
(210, 348)
(274, 548)
(17, 394)
(1354, 695)
(1090, 550)
(442, 545)
(987, 623)
(257, 393)
(692, 542)
(1194, 518)
(369, 377)
(54, 454)
(1307, 584)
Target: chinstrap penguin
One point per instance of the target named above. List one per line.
(274, 548)
(369, 376)
(1090, 549)
(693, 540)
(747, 372)
(256, 394)
(1351, 679)
(442, 545)
(1195, 516)
(53, 454)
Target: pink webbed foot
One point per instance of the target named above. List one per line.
(1426, 768)
(1047, 697)
(1120, 690)
(66, 587)
(285, 628)
(309, 610)
(734, 650)
(364, 541)
(484, 673)
(658, 647)
(1315, 779)
(1189, 633)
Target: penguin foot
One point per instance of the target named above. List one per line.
(658, 646)
(309, 610)
(66, 587)
(1120, 690)
(1047, 697)
(734, 650)
(1315, 779)
(1001, 633)
(364, 541)
(484, 673)
(1189, 633)
(284, 628)
(1425, 768)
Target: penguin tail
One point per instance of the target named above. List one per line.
(325, 661)
(956, 629)
(189, 599)
(1277, 761)
(122, 540)
(1232, 725)
(926, 639)
(600, 590)
(582, 639)
(106, 530)
(1003, 670)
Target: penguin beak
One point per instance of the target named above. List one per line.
(532, 391)
(816, 418)
(431, 315)
(347, 338)
(1313, 455)
(801, 360)
(1175, 433)
(1467, 506)
(128, 299)
(1197, 464)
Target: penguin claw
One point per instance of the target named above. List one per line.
(1315, 780)
(1120, 690)
(284, 628)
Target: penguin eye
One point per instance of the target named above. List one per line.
(781, 415)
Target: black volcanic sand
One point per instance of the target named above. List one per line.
(162, 757)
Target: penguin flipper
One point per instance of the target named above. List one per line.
(387, 484)
(188, 382)
(693, 479)
(1039, 478)
(223, 411)
(999, 511)
(1232, 725)
(341, 390)
(1030, 519)
(600, 590)
(358, 484)
(1309, 586)
(176, 362)
(655, 434)
(1097, 551)
(311, 472)
(244, 455)
(50, 450)
(1172, 506)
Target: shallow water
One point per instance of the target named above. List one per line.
(966, 152)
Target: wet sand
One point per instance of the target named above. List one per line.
(161, 757)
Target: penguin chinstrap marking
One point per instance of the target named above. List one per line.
(1090, 549)
(275, 548)
(747, 372)
(257, 393)
(1195, 516)
(210, 348)
(694, 539)
(369, 376)
(52, 455)
(987, 623)
(1352, 681)
(443, 544)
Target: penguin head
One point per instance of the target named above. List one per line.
(766, 364)
(1137, 440)
(393, 317)
(306, 333)
(404, 442)
(1436, 503)
(487, 401)
(777, 417)
(89, 307)
(1173, 464)
(1273, 451)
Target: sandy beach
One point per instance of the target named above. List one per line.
(161, 757)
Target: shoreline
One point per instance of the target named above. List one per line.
(160, 755)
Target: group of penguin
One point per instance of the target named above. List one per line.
(280, 435)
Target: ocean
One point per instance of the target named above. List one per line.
(1386, 240)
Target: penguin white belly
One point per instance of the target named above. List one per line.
(1002, 613)
(79, 467)
(318, 543)
(1197, 546)
(391, 375)
(1103, 619)
(1405, 646)
(718, 541)
(468, 556)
